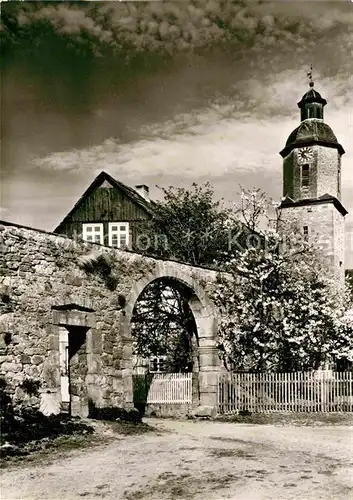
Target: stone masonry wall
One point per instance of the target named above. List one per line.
(326, 229)
(328, 161)
(49, 281)
(323, 174)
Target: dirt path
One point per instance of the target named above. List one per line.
(199, 461)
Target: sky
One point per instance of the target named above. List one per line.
(164, 93)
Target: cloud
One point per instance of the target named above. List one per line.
(202, 150)
(177, 26)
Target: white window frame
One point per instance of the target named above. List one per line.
(119, 233)
(89, 229)
(160, 362)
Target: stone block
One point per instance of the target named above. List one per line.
(31, 371)
(207, 379)
(117, 352)
(94, 364)
(94, 341)
(208, 398)
(13, 265)
(53, 342)
(117, 363)
(127, 352)
(205, 411)
(37, 360)
(109, 320)
(77, 281)
(91, 379)
(35, 351)
(7, 322)
(25, 359)
(107, 394)
(118, 385)
(209, 358)
(51, 373)
(207, 343)
(108, 347)
(126, 364)
(11, 367)
(90, 320)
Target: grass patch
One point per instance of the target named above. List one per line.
(130, 429)
(299, 419)
(53, 448)
(46, 451)
(170, 486)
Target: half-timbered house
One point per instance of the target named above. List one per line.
(109, 213)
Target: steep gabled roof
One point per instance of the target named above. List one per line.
(98, 181)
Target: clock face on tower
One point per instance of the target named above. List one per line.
(305, 155)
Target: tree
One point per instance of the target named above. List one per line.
(280, 309)
(190, 226)
(163, 325)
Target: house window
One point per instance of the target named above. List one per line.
(306, 233)
(93, 233)
(118, 234)
(305, 176)
(157, 364)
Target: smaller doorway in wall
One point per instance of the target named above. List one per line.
(64, 368)
(73, 370)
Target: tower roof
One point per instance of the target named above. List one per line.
(311, 131)
(312, 95)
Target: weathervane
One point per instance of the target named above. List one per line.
(310, 76)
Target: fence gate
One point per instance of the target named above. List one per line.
(162, 388)
(320, 391)
(170, 388)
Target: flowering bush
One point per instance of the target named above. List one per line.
(281, 308)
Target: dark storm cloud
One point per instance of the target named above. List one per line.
(174, 26)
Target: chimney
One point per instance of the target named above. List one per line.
(143, 191)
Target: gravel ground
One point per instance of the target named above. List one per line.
(198, 460)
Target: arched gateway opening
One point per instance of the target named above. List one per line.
(198, 332)
(164, 329)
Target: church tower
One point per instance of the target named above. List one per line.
(312, 181)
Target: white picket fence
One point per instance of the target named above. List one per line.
(320, 391)
(170, 388)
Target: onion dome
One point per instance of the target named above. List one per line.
(313, 131)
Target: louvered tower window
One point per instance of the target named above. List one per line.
(305, 176)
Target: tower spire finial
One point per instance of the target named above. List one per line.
(310, 76)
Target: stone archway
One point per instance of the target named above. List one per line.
(205, 317)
